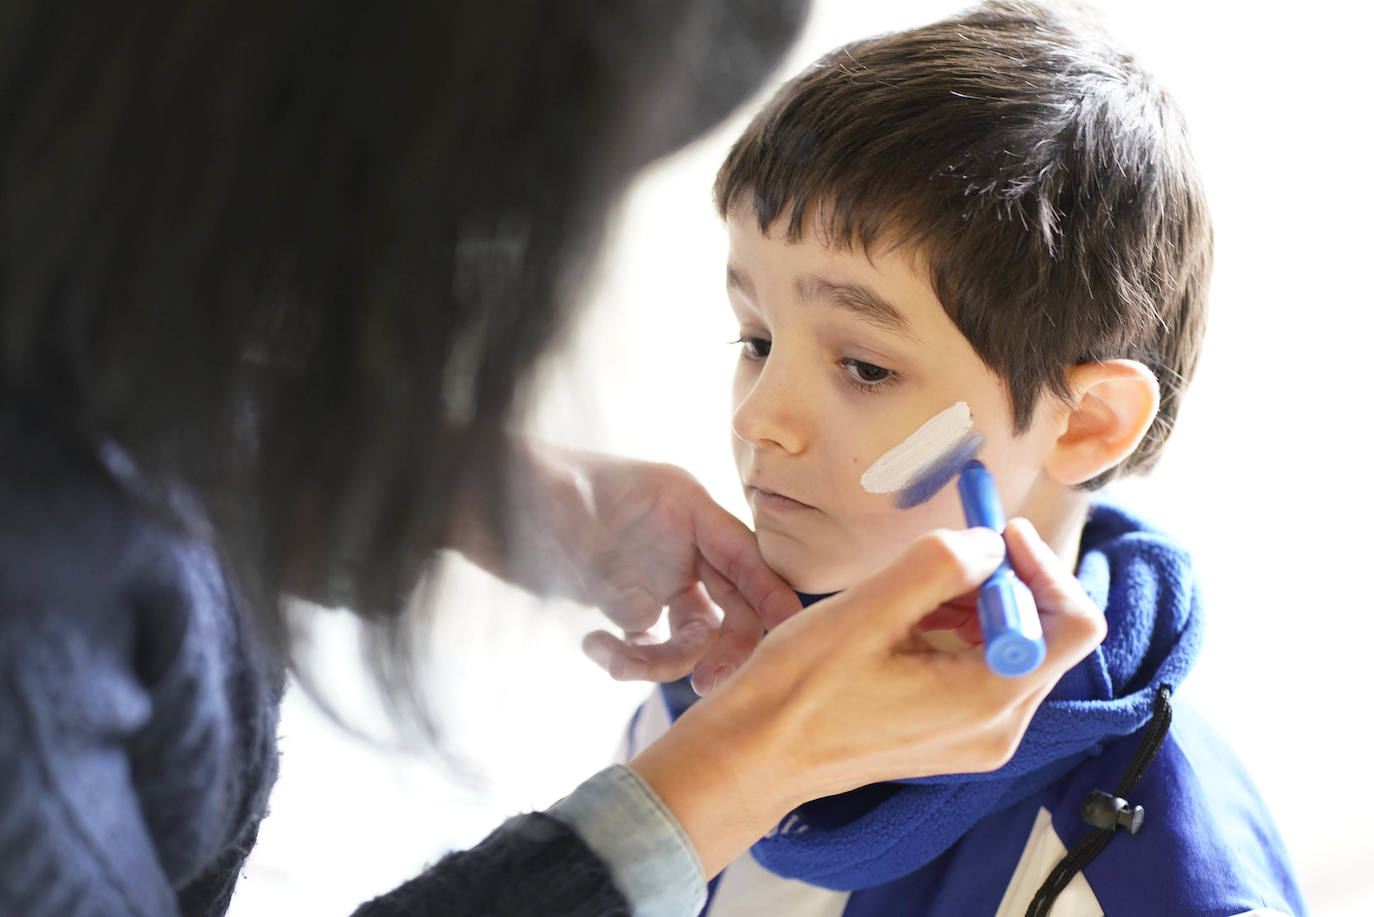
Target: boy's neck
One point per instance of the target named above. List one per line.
(1059, 514)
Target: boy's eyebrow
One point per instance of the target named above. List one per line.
(855, 297)
(736, 280)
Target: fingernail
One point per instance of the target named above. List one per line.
(986, 541)
(1028, 533)
(632, 670)
(722, 673)
(597, 652)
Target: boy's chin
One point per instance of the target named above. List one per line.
(802, 570)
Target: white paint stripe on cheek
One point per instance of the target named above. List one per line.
(906, 461)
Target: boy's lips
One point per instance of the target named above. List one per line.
(764, 498)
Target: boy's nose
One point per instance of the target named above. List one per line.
(774, 412)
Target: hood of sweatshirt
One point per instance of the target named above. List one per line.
(1145, 583)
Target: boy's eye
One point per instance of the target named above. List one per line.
(867, 373)
(755, 348)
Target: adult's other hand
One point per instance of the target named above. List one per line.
(656, 539)
(634, 538)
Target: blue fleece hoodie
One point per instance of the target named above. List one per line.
(975, 844)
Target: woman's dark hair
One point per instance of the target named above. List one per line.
(1042, 173)
(298, 256)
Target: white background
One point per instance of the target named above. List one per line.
(1266, 478)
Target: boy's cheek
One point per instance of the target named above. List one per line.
(890, 525)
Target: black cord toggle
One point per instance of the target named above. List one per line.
(1103, 810)
(1113, 811)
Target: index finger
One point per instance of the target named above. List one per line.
(693, 627)
(939, 566)
(729, 548)
(740, 631)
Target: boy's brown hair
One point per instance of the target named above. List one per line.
(1042, 174)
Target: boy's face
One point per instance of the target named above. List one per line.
(844, 356)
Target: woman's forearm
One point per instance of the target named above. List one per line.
(525, 535)
(723, 772)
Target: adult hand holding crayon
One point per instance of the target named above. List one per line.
(783, 725)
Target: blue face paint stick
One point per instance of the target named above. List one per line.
(1013, 643)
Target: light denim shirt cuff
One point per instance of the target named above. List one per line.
(649, 857)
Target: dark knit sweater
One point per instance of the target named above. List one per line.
(138, 721)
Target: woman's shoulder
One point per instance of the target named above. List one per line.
(80, 557)
(121, 636)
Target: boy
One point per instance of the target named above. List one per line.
(997, 211)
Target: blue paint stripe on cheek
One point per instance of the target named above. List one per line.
(941, 472)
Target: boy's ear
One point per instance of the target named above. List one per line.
(1113, 405)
